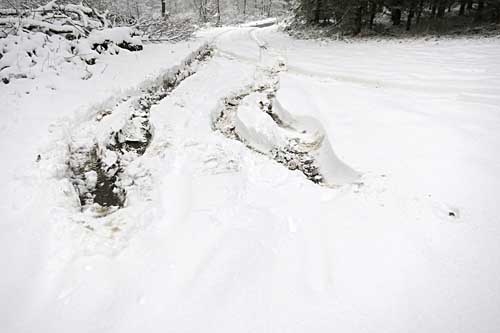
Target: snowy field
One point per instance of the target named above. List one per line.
(217, 236)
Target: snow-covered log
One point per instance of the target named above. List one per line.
(8, 11)
(56, 18)
(52, 6)
(32, 24)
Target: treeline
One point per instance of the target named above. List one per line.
(355, 15)
(222, 11)
(230, 11)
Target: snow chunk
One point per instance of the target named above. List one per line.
(91, 179)
(257, 128)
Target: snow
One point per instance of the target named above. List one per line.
(45, 26)
(216, 237)
(30, 54)
(260, 23)
(258, 128)
(27, 54)
(116, 35)
(304, 134)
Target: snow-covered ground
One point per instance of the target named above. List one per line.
(216, 237)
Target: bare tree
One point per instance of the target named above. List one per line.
(218, 12)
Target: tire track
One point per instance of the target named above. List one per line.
(96, 168)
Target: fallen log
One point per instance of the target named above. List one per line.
(32, 24)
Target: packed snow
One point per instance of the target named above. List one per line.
(218, 236)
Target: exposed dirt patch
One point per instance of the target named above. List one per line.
(95, 176)
(224, 121)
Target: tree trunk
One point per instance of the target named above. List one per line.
(479, 13)
(373, 12)
(469, 4)
(396, 16)
(358, 20)
(419, 11)
(203, 10)
(218, 13)
(244, 7)
(441, 9)
(317, 11)
(163, 8)
(461, 12)
(411, 13)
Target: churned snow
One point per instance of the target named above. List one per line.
(216, 237)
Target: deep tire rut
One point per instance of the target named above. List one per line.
(96, 169)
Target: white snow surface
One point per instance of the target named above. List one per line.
(216, 237)
(117, 35)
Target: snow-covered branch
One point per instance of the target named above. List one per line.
(32, 24)
(56, 18)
